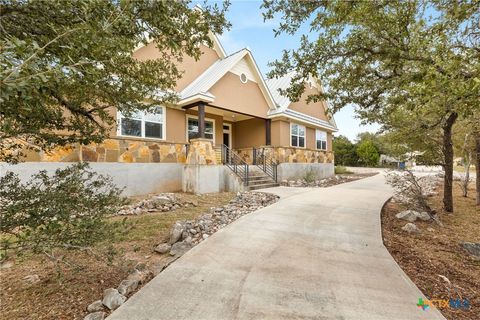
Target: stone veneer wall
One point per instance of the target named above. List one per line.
(201, 152)
(290, 155)
(115, 150)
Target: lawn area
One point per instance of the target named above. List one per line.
(436, 252)
(462, 169)
(63, 292)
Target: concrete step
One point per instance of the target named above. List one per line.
(261, 181)
(263, 186)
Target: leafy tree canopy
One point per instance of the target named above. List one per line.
(380, 55)
(64, 63)
(367, 153)
(344, 151)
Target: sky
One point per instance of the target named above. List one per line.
(250, 31)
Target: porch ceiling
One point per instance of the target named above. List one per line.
(226, 114)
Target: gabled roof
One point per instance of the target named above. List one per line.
(216, 71)
(284, 102)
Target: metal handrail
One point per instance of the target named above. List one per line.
(265, 163)
(232, 160)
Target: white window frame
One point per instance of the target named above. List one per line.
(191, 116)
(143, 114)
(229, 131)
(316, 139)
(304, 137)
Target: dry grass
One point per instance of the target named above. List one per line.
(437, 252)
(65, 294)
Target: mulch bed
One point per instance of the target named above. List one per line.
(436, 252)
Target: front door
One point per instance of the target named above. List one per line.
(227, 135)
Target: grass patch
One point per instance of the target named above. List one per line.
(342, 170)
(65, 294)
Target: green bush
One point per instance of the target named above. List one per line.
(66, 209)
(310, 176)
(342, 170)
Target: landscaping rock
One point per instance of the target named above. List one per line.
(194, 231)
(162, 202)
(176, 232)
(140, 276)
(112, 299)
(32, 278)
(163, 248)
(411, 228)
(423, 216)
(95, 306)
(408, 215)
(179, 248)
(100, 315)
(127, 286)
(158, 267)
(472, 248)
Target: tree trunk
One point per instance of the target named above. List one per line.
(448, 162)
(477, 165)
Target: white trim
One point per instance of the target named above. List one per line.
(120, 116)
(246, 78)
(192, 116)
(205, 97)
(304, 118)
(217, 70)
(326, 139)
(230, 133)
(304, 137)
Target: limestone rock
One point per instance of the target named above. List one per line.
(32, 278)
(472, 248)
(100, 315)
(127, 286)
(411, 228)
(409, 215)
(179, 248)
(176, 232)
(423, 216)
(112, 299)
(140, 276)
(95, 306)
(163, 248)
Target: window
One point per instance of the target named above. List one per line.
(321, 139)
(192, 128)
(143, 124)
(297, 133)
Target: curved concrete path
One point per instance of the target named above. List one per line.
(316, 254)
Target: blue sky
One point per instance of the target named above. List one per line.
(250, 31)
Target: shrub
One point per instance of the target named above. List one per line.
(66, 209)
(309, 176)
(342, 170)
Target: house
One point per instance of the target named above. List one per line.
(224, 102)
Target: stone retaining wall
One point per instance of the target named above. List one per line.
(114, 150)
(290, 155)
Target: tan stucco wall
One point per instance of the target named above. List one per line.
(329, 141)
(234, 95)
(310, 137)
(280, 133)
(176, 125)
(249, 133)
(316, 109)
(192, 69)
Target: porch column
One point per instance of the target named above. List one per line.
(268, 132)
(201, 120)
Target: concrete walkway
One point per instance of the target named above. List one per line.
(316, 254)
